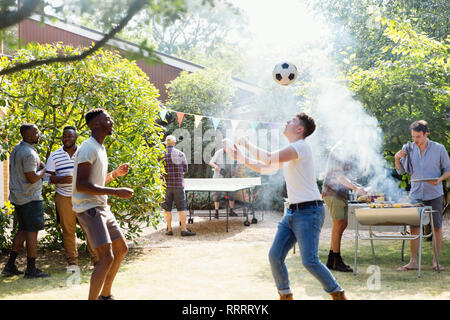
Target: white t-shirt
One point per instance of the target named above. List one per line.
(221, 159)
(61, 164)
(300, 177)
(95, 153)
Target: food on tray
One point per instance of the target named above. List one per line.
(363, 199)
(380, 205)
(407, 205)
(372, 197)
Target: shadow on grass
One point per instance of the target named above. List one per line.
(54, 263)
(205, 229)
(392, 284)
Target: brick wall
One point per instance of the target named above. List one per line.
(5, 180)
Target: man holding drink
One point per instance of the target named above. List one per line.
(60, 168)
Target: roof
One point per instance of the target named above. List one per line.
(133, 47)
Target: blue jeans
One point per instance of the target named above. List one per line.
(302, 226)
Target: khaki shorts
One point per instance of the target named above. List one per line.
(338, 208)
(100, 226)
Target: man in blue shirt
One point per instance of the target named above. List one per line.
(424, 158)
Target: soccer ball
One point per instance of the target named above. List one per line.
(284, 73)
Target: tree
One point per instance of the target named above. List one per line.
(358, 29)
(208, 93)
(395, 56)
(410, 81)
(114, 16)
(55, 95)
(204, 27)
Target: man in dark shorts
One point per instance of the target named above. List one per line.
(25, 184)
(90, 202)
(424, 158)
(176, 166)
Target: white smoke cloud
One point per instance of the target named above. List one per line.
(288, 31)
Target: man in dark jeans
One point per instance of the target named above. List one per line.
(176, 166)
(25, 184)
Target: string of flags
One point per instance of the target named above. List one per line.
(216, 121)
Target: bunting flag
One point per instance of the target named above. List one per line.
(254, 124)
(197, 120)
(163, 114)
(234, 124)
(216, 122)
(180, 116)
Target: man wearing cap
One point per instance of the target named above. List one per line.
(175, 165)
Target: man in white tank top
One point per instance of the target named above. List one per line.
(304, 218)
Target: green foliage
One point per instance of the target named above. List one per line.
(208, 92)
(6, 218)
(109, 17)
(203, 25)
(8, 40)
(358, 29)
(395, 55)
(409, 81)
(53, 96)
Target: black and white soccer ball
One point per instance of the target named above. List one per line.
(284, 73)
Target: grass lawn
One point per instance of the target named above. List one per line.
(234, 270)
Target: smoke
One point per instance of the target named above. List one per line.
(341, 118)
(289, 32)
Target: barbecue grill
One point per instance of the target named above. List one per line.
(403, 215)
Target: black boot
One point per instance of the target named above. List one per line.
(232, 213)
(33, 272)
(10, 267)
(339, 264)
(330, 260)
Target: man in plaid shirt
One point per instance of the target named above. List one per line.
(176, 166)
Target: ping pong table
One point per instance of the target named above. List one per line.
(223, 185)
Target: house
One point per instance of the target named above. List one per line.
(3, 174)
(53, 30)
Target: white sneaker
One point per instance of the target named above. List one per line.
(73, 268)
